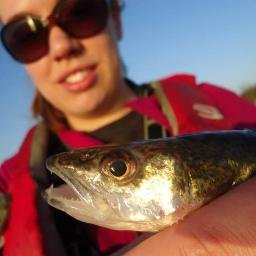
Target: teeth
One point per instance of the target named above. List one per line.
(76, 77)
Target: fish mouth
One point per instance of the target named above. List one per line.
(63, 197)
(75, 198)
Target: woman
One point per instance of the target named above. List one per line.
(70, 50)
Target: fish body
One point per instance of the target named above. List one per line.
(149, 185)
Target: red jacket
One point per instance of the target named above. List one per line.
(178, 104)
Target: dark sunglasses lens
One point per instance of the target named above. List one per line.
(25, 39)
(83, 18)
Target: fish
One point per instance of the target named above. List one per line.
(149, 185)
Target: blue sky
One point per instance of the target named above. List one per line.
(215, 40)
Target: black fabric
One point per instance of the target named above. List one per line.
(115, 132)
(77, 237)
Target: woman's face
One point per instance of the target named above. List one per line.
(80, 77)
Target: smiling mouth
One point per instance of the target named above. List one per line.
(80, 80)
(77, 77)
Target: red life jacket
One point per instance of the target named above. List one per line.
(178, 104)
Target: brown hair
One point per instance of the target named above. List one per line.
(53, 118)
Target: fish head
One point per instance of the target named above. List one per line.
(128, 187)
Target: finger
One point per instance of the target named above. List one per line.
(226, 226)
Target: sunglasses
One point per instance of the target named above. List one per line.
(26, 38)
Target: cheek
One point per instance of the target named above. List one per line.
(111, 66)
(105, 45)
(39, 73)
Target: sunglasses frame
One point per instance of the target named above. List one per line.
(54, 20)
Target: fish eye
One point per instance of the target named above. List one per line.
(120, 165)
(118, 168)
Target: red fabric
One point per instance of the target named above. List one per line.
(22, 236)
(109, 239)
(241, 112)
(77, 140)
(150, 108)
(182, 93)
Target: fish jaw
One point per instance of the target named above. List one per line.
(66, 200)
(74, 197)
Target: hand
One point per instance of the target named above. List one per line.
(226, 226)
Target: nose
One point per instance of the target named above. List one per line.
(62, 46)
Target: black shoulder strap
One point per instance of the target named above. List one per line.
(38, 155)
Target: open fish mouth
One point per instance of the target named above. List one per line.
(75, 199)
(63, 197)
(66, 199)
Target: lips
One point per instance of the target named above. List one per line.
(79, 79)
